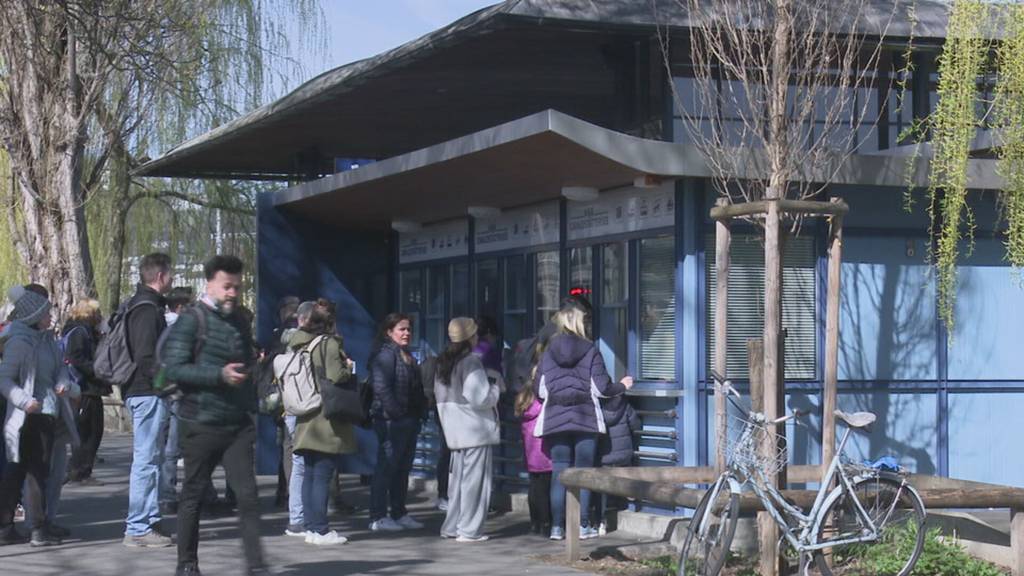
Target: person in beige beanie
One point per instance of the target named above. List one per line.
(466, 404)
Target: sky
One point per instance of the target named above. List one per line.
(357, 29)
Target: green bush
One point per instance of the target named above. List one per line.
(940, 557)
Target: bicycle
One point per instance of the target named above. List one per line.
(866, 508)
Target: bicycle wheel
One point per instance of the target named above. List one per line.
(706, 547)
(899, 515)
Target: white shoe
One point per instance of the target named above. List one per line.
(385, 524)
(408, 522)
(469, 539)
(602, 528)
(442, 504)
(328, 539)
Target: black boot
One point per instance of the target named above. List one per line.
(188, 570)
(10, 535)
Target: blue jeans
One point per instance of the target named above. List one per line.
(149, 421)
(316, 487)
(296, 515)
(54, 484)
(169, 470)
(570, 449)
(395, 454)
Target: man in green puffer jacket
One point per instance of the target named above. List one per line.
(208, 354)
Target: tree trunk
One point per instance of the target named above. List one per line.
(44, 134)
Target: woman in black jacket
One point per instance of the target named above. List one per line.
(80, 336)
(398, 404)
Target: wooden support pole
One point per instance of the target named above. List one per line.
(829, 400)
(768, 532)
(1017, 541)
(723, 241)
(572, 524)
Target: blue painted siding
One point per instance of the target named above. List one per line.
(989, 329)
(887, 315)
(982, 444)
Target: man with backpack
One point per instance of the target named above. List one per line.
(141, 323)
(209, 354)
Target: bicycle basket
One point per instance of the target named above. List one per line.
(753, 447)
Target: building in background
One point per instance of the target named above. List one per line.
(531, 149)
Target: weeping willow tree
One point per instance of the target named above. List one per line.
(90, 88)
(11, 270)
(972, 59)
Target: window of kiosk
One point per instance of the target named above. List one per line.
(581, 271)
(516, 306)
(436, 309)
(410, 286)
(746, 303)
(547, 273)
(460, 301)
(657, 314)
(613, 314)
(488, 285)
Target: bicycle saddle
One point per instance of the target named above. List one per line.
(857, 419)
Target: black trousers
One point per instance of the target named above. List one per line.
(540, 499)
(444, 460)
(90, 429)
(203, 447)
(35, 448)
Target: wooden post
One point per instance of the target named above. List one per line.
(723, 240)
(828, 395)
(1017, 541)
(572, 524)
(768, 533)
(765, 524)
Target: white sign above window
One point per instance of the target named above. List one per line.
(627, 210)
(518, 228)
(434, 242)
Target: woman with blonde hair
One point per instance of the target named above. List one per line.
(79, 338)
(571, 378)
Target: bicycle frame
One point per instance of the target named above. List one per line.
(772, 500)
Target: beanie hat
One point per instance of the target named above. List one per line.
(29, 307)
(461, 329)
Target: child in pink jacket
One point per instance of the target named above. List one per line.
(538, 462)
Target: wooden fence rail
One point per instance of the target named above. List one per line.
(666, 486)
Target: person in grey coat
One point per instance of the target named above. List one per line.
(467, 406)
(35, 383)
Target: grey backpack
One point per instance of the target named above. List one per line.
(114, 364)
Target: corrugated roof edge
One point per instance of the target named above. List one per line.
(930, 22)
(324, 85)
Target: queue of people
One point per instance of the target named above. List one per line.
(192, 380)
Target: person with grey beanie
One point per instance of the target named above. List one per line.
(34, 381)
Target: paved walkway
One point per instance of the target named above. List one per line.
(96, 517)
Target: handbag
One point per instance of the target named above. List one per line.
(341, 401)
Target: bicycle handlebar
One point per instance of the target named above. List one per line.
(725, 385)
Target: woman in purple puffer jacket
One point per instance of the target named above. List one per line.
(570, 380)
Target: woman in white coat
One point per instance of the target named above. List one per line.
(466, 404)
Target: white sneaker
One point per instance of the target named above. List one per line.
(442, 504)
(469, 539)
(385, 524)
(602, 528)
(328, 539)
(295, 530)
(408, 522)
